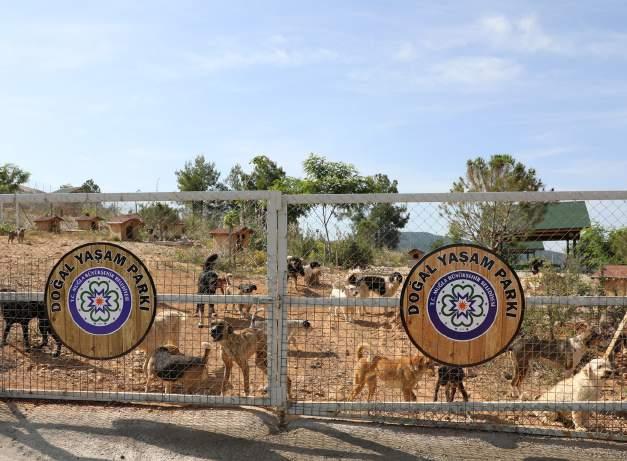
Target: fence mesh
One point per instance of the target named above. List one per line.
(326, 352)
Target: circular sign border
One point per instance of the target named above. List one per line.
(152, 283)
(454, 245)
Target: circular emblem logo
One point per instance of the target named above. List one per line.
(101, 300)
(462, 305)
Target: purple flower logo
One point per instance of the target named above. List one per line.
(462, 306)
(99, 301)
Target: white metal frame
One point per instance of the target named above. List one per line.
(278, 299)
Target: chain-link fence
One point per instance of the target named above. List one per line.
(312, 336)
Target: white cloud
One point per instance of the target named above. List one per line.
(406, 52)
(222, 55)
(477, 71)
(524, 34)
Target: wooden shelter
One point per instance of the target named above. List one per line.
(90, 223)
(613, 279)
(414, 256)
(239, 238)
(561, 221)
(126, 227)
(48, 223)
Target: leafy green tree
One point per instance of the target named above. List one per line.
(200, 175)
(380, 223)
(11, 178)
(493, 224)
(90, 186)
(160, 217)
(617, 241)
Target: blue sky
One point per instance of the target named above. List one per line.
(126, 92)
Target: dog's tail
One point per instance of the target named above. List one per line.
(362, 350)
(210, 262)
(205, 357)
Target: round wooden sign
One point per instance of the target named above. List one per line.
(101, 300)
(462, 305)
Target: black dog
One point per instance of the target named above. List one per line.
(294, 269)
(22, 312)
(207, 284)
(452, 378)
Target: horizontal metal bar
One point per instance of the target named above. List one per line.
(456, 197)
(82, 197)
(446, 407)
(163, 298)
(107, 396)
(586, 301)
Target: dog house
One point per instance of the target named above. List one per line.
(48, 223)
(414, 256)
(613, 279)
(90, 223)
(236, 239)
(126, 227)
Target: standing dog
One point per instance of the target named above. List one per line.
(246, 289)
(368, 284)
(165, 330)
(294, 269)
(293, 326)
(168, 364)
(452, 378)
(312, 274)
(348, 291)
(207, 285)
(12, 236)
(403, 372)
(566, 353)
(22, 312)
(238, 347)
(21, 232)
(584, 386)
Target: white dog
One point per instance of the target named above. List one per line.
(584, 386)
(346, 291)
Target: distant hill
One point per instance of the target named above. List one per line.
(425, 240)
(421, 240)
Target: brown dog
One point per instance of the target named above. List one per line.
(403, 372)
(12, 236)
(238, 347)
(171, 366)
(20, 235)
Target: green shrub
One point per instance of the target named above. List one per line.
(352, 252)
(5, 228)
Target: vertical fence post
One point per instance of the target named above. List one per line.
(282, 392)
(274, 323)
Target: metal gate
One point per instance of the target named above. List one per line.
(311, 370)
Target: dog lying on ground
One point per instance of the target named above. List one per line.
(294, 269)
(165, 330)
(22, 312)
(402, 372)
(347, 291)
(376, 284)
(452, 378)
(584, 386)
(293, 327)
(566, 353)
(312, 274)
(170, 366)
(207, 285)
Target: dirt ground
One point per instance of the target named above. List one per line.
(320, 365)
(30, 431)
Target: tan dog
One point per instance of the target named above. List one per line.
(403, 372)
(238, 347)
(169, 365)
(165, 330)
(584, 386)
